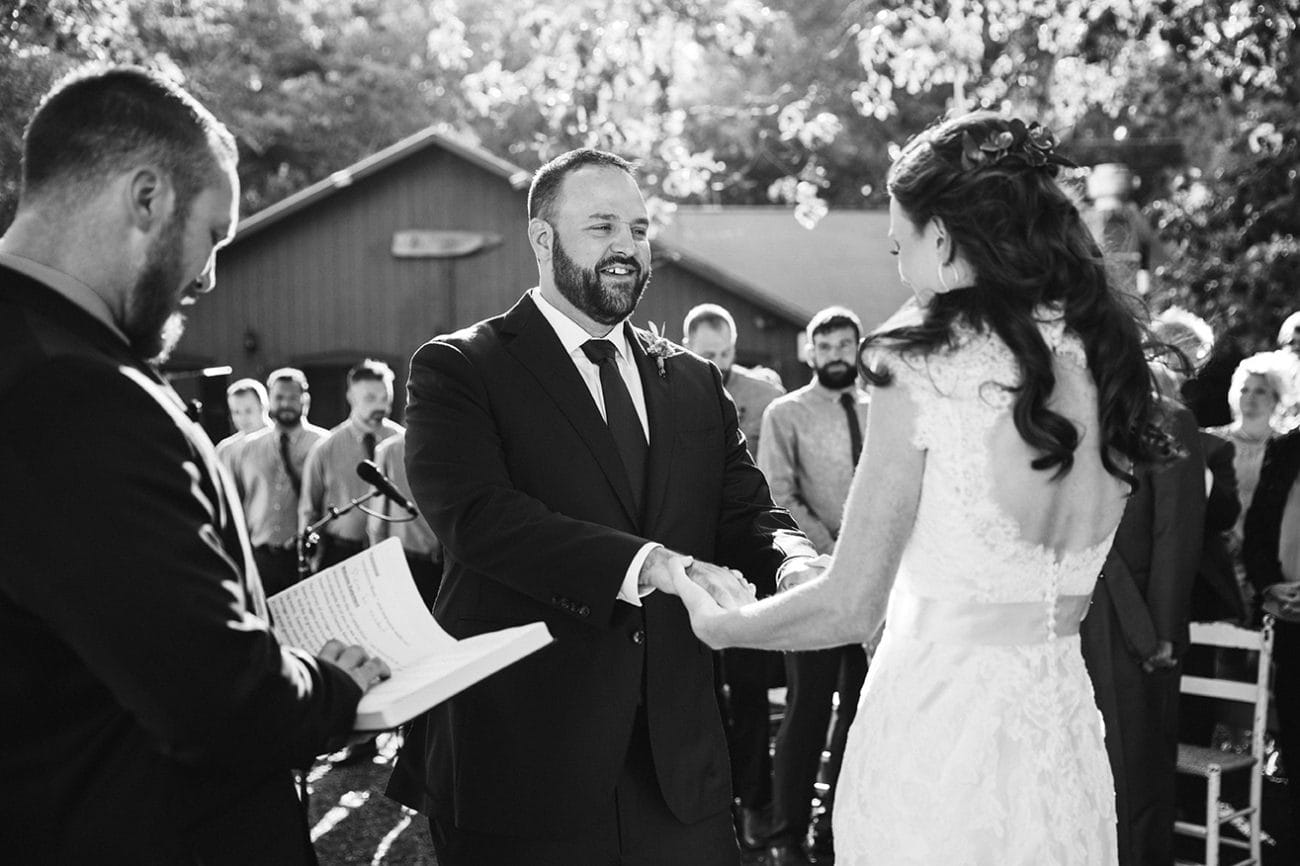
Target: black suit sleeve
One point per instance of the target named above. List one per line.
(455, 460)
(1177, 531)
(118, 554)
(1224, 504)
(754, 534)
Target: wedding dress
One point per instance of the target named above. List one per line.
(978, 740)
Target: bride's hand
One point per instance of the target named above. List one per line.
(706, 614)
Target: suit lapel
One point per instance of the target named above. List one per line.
(659, 414)
(538, 349)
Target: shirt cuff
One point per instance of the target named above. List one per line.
(822, 560)
(631, 591)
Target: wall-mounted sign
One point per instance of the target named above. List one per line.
(440, 243)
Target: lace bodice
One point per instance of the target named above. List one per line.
(963, 544)
(978, 741)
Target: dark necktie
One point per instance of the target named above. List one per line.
(368, 443)
(620, 414)
(294, 478)
(849, 401)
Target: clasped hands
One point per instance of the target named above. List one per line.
(665, 570)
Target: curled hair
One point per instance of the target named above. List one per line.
(1278, 368)
(1027, 246)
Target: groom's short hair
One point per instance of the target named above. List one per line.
(545, 188)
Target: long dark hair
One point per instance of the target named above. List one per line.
(991, 180)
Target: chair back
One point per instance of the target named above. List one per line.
(1222, 634)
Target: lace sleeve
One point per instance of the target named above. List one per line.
(912, 374)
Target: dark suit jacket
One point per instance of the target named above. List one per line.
(148, 716)
(1149, 572)
(1216, 594)
(1263, 527)
(514, 468)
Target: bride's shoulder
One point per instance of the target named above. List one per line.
(969, 357)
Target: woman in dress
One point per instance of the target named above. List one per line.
(1010, 405)
(1260, 393)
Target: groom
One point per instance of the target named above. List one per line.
(572, 464)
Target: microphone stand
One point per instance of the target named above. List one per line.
(310, 537)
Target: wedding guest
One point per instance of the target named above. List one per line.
(268, 471)
(150, 715)
(743, 676)
(388, 520)
(329, 476)
(812, 439)
(710, 332)
(246, 400)
(1009, 405)
(1137, 630)
(1261, 392)
(1271, 552)
(1216, 593)
(576, 469)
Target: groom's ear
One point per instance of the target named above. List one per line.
(541, 234)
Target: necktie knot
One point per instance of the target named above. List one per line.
(848, 400)
(368, 443)
(598, 351)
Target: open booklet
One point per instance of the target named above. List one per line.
(370, 600)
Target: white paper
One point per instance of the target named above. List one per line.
(369, 600)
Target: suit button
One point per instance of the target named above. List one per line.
(583, 610)
(638, 636)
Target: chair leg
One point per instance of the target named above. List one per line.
(1212, 817)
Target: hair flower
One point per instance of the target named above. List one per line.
(1032, 145)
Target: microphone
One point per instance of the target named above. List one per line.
(369, 473)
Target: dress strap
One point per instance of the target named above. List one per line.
(985, 623)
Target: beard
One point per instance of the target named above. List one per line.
(837, 375)
(585, 289)
(154, 322)
(288, 417)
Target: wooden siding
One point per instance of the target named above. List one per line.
(320, 288)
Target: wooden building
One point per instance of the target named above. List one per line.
(420, 239)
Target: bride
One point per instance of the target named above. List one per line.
(1010, 405)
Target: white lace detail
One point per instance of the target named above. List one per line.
(973, 755)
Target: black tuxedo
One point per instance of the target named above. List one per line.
(513, 466)
(149, 716)
(1144, 596)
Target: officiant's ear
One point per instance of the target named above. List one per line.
(541, 235)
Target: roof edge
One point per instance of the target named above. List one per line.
(517, 177)
(732, 283)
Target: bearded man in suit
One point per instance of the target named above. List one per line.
(151, 716)
(572, 465)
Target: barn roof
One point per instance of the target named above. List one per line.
(844, 260)
(377, 162)
(759, 253)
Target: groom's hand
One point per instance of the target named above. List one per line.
(727, 586)
(660, 568)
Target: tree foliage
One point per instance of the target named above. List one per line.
(733, 101)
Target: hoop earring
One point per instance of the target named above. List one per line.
(942, 282)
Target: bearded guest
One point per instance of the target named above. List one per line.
(812, 439)
(573, 467)
(268, 471)
(330, 477)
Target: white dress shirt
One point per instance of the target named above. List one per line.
(572, 336)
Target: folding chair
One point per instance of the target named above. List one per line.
(1211, 764)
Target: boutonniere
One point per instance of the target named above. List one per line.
(659, 348)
